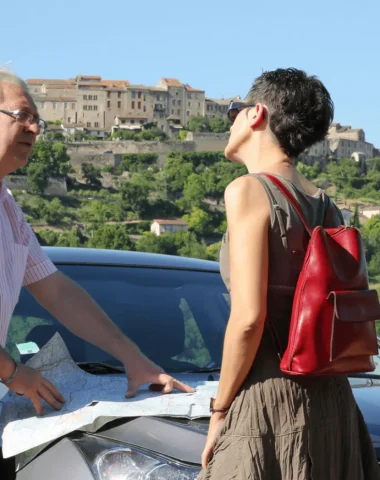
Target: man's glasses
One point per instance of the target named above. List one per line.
(25, 118)
(234, 108)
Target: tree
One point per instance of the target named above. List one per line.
(198, 221)
(111, 237)
(152, 243)
(355, 217)
(92, 175)
(134, 198)
(38, 178)
(194, 191)
(197, 124)
(212, 251)
(219, 125)
(311, 172)
(54, 212)
(177, 171)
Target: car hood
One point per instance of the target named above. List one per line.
(156, 434)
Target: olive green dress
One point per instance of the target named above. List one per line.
(281, 427)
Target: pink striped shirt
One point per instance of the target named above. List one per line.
(22, 260)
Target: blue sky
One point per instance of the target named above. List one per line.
(220, 46)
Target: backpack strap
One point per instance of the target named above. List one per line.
(291, 199)
(276, 209)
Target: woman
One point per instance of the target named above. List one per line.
(267, 425)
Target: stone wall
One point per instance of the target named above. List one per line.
(56, 186)
(95, 152)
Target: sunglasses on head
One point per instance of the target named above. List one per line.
(234, 108)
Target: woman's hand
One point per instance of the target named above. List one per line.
(216, 424)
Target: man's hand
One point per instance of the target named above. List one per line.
(32, 384)
(145, 371)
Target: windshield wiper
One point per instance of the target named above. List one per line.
(99, 367)
(364, 375)
(203, 370)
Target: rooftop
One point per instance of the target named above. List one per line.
(170, 222)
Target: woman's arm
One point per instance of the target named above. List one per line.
(248, 218)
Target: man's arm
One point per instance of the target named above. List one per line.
(79, 313)
(76, 310)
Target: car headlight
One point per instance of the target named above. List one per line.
(124, 463)
(113, 460)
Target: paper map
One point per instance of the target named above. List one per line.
(22, 430)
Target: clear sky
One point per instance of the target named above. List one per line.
(219, 46)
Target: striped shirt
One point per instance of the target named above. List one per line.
(22, 260)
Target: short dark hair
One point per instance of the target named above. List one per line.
(300, 107)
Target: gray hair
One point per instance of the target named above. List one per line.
(6, 76)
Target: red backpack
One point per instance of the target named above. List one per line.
(332, 327)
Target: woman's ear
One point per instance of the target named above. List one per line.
(256, 115)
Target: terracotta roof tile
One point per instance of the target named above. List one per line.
(40, 81)
(173, 82)
(170, 222)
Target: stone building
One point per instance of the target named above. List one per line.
(158, 227)
(95, 103)
(343, 142)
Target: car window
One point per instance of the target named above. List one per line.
(177, 318)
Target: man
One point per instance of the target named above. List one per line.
(23, 262)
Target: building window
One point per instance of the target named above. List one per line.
(119, 104)
(89, 124)
(139, 105)
(139, 95)
(132, 122)
(84, 107)
(108, 94)
(96, 124)
(133, 94)
(141, 122)
(95, 97)
(179, 102)
(108, 104)
(118, 94)
(176, 93)
(158, 98)
(69, 120)
(188, 113)
(54, 106)
(90, 97)
(144, 98)
(173, 102)
(178, 112)
(133, 105)
(144, 108)
(189, 104)
(84, 97)
(95, 107)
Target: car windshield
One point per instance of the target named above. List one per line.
(177, 317)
